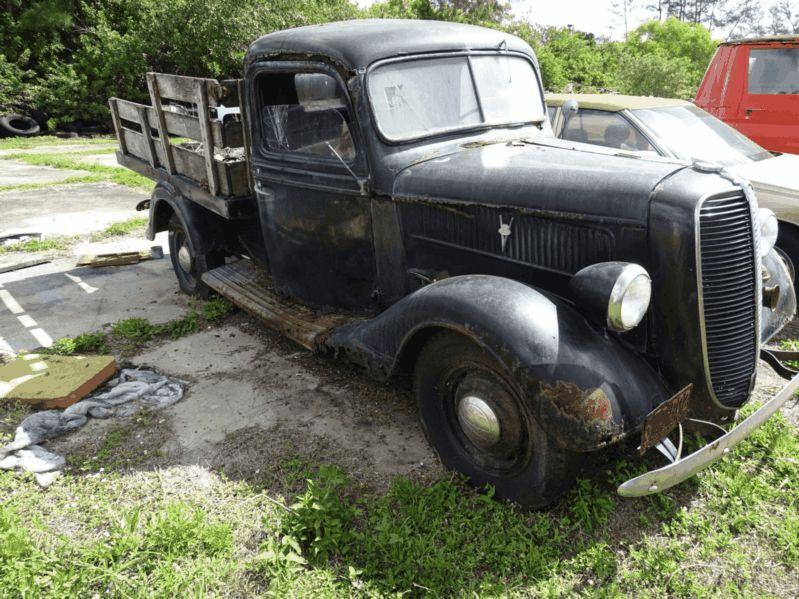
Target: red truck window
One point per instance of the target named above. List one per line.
(774, 71)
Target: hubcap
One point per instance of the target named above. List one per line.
(478, 421)
(184, 258)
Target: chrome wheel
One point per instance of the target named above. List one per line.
(184, 257)
(479, 422)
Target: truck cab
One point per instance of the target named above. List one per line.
(753, 85)
(398, 200)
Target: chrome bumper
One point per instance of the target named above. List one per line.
(658, 480)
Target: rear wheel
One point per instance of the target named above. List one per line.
(189, 266)
(480, 424)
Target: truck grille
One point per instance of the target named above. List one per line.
(729, 271)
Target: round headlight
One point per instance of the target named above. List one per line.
(629, 298)
(614, 294)
(769, 228)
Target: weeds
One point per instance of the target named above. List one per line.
(87, 343)
(134, 332)
(26, 143)
(124, 227)
(120, 176)
(38, 245)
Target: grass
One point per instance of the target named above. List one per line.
(26, 143)
(120, 176)
(38, 245)
(125, 227)
(732, 532)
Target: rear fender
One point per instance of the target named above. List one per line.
(586, 389)
(205, 228)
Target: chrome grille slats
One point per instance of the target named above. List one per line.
(727, 256)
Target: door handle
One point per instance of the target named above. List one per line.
(749, 111)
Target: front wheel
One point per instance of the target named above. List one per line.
(189, 266)
(480, 424)
(788, 245)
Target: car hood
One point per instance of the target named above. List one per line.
(778, 173)
(776, 184)
(549, 177)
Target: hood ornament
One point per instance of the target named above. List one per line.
(504, 231)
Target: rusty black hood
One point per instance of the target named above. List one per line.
(538, 177)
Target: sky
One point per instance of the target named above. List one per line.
(593, 16)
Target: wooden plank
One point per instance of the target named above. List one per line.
(113, 104)
(241, 283)
(155, 100)
(144, 121)
(129, 111)
(184, 89)
(245, 129)
(205, 130)
(225, 135)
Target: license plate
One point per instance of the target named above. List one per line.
(664, 419)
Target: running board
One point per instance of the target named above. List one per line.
(249, 288)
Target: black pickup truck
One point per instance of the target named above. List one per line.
(391, 192)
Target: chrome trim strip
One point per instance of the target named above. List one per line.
(661, 479)
(743, 186)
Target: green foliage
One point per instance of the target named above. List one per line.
(139, 549)
(137, 330)
(654, 75)
(37, 245)
(216, 308)
(68, 57)
(86, 343)
(120, 176)
(125, 227)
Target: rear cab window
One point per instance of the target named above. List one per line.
(773, 71)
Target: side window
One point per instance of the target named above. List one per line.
(774, 71)
(304, 113)
(608, 129)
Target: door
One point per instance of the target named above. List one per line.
(310, 174)
(768, 112)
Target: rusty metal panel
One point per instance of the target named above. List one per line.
(249, 288)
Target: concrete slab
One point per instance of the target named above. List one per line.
(16, 172)
(239, 385)
(99, 159)
(65, 148)
(42, 303)
(73, 210)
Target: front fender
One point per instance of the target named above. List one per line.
(587, 390)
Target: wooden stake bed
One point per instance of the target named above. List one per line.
(249, 289)
(214, 172)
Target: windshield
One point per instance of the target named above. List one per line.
(423, 97)
(691, 133)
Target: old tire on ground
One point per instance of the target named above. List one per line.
(477, 420)
(788, 244)
(189, 266)
(18, 125)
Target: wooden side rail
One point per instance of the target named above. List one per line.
(145, 134)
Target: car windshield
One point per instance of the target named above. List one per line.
(423, 97)
(691, 133)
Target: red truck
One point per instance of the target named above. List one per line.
(753, 85)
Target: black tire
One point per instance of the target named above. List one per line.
(18, 125)
(521, 464)
(189, 274)
(788, 244)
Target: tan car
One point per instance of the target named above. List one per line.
(676, 130)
